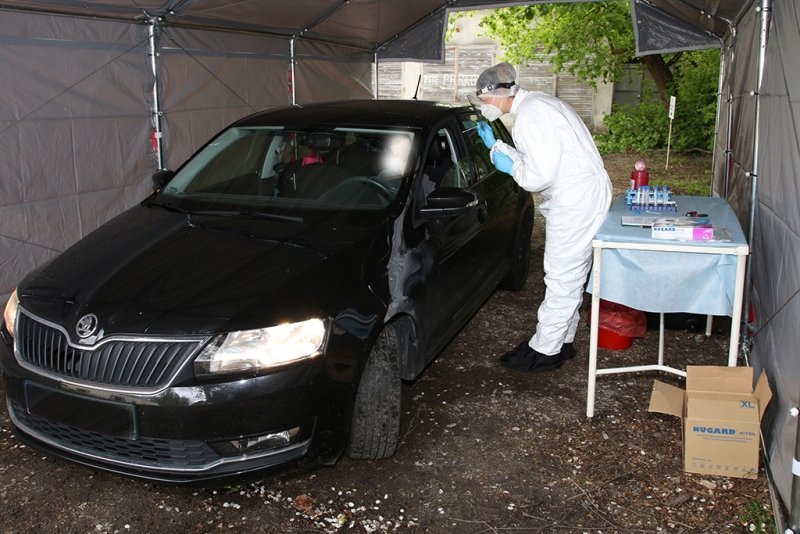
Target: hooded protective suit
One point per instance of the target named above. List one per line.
(556, 156)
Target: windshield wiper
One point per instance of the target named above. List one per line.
(248, 215)
(168, 207)
(227, 213)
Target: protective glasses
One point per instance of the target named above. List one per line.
(492, 87)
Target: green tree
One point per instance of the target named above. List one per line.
(594, 40)
(590, 40)
(644, 126)
(696, 84)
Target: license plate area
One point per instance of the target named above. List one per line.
(104, 417)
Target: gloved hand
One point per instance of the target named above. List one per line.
(486, 133)
(502, 162)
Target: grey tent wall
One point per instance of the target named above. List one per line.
(76, 123)
(211, 78)
(776, 243)
(74, 133)
(326, 72)
(741, 61)
(775, 247)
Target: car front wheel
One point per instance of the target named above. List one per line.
(520, 256)
(376, 414)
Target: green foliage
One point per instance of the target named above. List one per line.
(589, 40)
(594, 40)
(641, 127)
(646, 126)
(695, 86)
(757, 518)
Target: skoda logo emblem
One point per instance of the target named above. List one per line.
(86, 326)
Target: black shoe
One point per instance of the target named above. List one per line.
(568, 351)
(517, 354)
(524, 358)
(545, 363)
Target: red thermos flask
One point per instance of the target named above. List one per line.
(639, 176)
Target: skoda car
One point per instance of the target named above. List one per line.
(265, 303)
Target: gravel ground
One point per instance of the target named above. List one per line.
(484, 449)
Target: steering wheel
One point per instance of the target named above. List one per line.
(352, 185)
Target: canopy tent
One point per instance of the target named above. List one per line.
(98, 95)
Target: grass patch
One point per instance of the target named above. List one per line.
(758, 518)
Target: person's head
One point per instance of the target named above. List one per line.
(495, 88)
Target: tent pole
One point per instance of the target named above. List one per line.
(376, 87)
(152, 30)
(728, 137)
(766, 11)
(722, 71)
(794, 517)
(291, 72)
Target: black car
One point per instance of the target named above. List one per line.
(265, 302)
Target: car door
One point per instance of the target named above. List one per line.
(454, 241)
(499, 193)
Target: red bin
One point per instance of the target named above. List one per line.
(618, 325)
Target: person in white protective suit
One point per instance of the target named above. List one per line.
(555, 156)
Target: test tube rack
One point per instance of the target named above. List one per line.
(656, 198)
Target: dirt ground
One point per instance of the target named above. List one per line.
(484, 449)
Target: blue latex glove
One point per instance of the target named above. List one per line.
(502, 162)
(486, 133)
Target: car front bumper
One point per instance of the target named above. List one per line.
(181, 433)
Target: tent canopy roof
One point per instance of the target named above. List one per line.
(364, 24)
(672, 25)
(397, 30)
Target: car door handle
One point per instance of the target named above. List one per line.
(482, 210)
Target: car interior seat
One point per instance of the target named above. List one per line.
(438, 161)
(323, 171)
(363, 157)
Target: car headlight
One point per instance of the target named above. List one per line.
(263, 348)
(10, 314)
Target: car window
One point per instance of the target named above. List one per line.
(477, 150)
(443, 167)
(251, 167)
(242, 155)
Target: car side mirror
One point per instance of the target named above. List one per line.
(162, 178)
(448, 201)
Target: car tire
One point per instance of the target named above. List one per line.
(375, 429)
(520, 256)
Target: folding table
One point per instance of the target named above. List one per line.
(665, 276)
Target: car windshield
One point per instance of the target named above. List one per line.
(254, 169)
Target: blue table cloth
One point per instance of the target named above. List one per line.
(658, 281)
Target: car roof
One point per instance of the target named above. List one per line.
(413, 114)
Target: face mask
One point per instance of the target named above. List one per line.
(490, 112)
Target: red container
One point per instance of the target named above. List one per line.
(607, 339)
(639, 179)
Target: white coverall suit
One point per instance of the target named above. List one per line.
(556, 156)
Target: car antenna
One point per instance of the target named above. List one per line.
(419, 79)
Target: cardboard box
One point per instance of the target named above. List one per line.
(721, 418)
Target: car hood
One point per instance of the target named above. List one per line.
(157, 272)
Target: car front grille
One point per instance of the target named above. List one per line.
(135, 363)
